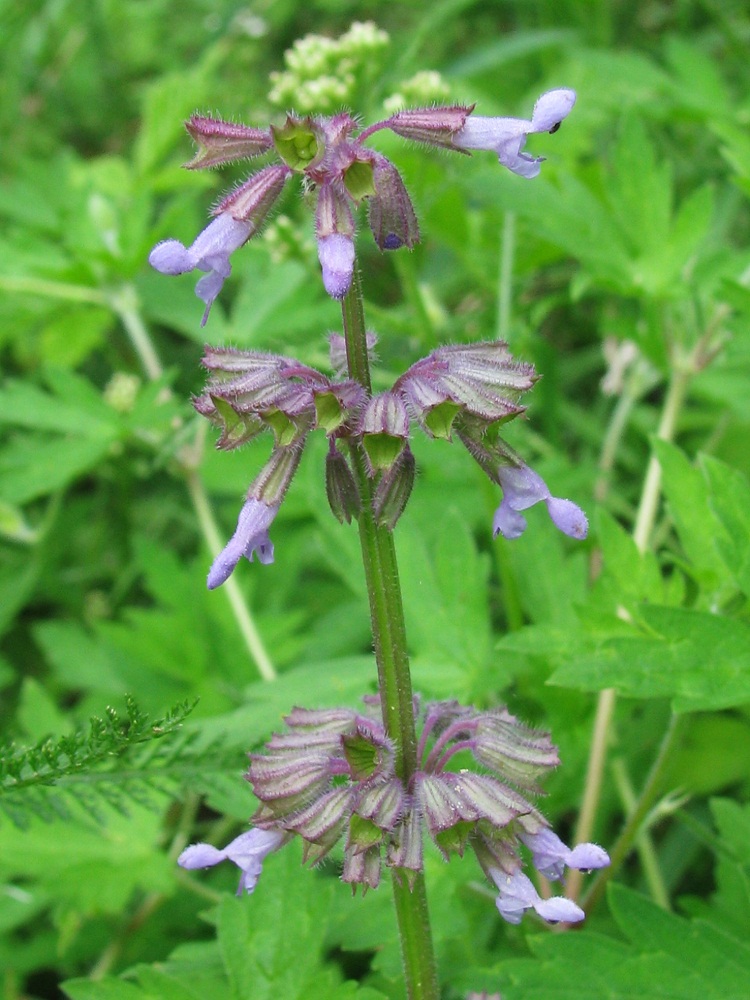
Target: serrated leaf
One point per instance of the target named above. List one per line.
(729, 498)
(701, 661)
(665, 957)
(686, 491)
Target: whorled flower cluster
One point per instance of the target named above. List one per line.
(469, 389)
(330, 779)
(330, 155)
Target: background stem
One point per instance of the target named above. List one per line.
(125, 304)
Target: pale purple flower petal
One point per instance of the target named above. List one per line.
(248, 851)
(336, 256)
(209, 252)
(508, 522)
(517, 894)
(587, 857)
(551, 855)
(522, 488)
(558, 909)
(552, 108)
(507, 136)
(568, 517)
(250, 538)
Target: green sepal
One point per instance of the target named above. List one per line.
(363, 833)
(362, 755)
(439, 420)
(382, 449)
(454, 839)
(299, 143)
(285, 429)
(359, 180)
(329, 413)
(237, 428)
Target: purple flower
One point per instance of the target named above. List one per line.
(517, 894)
(522, 488)
(248, 852)
(336, 256)
(249, 538)
(507, 136)
(210, 252)
(551, 855)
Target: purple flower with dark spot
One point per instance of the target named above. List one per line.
(248, 852)
(522, 488)
(250, 538)
(551, 855)
(517, 894)
(507, 136)
(210, 252)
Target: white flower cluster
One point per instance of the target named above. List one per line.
(425, 87)
(321, 73)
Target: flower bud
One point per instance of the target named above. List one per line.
(394, 489)
(433, 126)
(392, 219)
(223, 142)
(362, 868)
(341, 489)
(252, 200)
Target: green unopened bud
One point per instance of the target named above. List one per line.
(394, 489)
(299, 142)
(341, 489)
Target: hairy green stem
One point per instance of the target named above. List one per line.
(125, 304)
(389, 636)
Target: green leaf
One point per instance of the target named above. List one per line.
(447, 616)
(729, 498)
(701, 661)
(665, 957)
(686, 491)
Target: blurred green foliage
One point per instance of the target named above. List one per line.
(623, 273)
